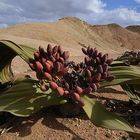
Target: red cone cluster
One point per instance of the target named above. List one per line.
(68, 79)
(97, 65)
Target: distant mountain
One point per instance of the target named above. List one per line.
(134, 28)
(71, 32)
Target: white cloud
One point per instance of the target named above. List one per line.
(123, 16)
(93, 11)
(138, 1)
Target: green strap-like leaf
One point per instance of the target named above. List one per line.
(8, 50)
(103, 118)
(130, 91)
(23, 98)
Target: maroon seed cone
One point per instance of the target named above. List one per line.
(100, 69)
(41, 50)
(47, 76)
(87, 90)
(100, 55)
(53, 85)
(36, 55)
(88, 73)
(59, 50)
(94, 87)
(65, 55)
(61, 59)
(57, 67)
(52, 59)
(98, 60)
(66, 85)
(42, 60)
(98, 77)
(57, 56)
(88, 50)
(76, 96)
(109, 61)
(104, 58)
(38, 66)
(47, 67)
(49, 49)
(104, 75)
(105, 67)
(90, 68)
(79, 90)
(44, 87)
(95, 53)
(55, 49)
(110, 78)
(60, 91)
(66, 92)
(87, 60)
(84, 51)
(63, 71)
(50, 62)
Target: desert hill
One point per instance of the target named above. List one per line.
(134, 28)
(73, 33)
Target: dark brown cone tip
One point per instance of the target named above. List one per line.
(49, 49)
(41, 50)
(84, 51)
(36, 55)
(100, 55)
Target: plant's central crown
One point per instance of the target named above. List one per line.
(70, 80)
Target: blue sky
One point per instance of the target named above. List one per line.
(111, 4)
(123, 12)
